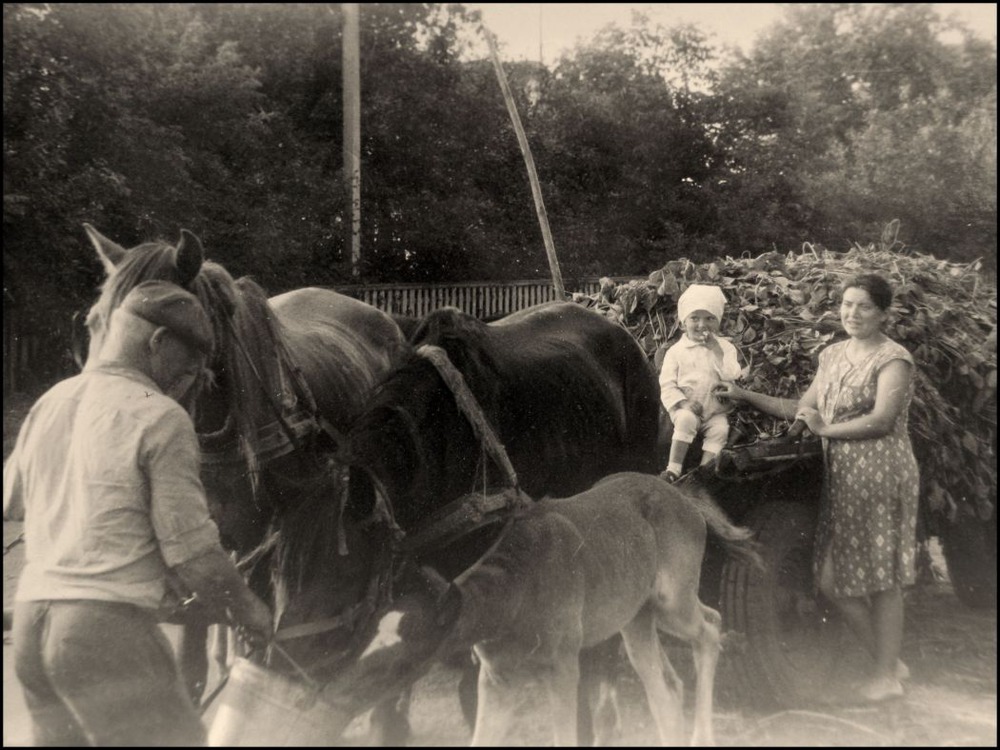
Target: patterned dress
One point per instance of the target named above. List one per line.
(870, 486)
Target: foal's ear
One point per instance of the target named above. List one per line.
(436, 582)
(449, 607)
(190, 256)
(110, 253)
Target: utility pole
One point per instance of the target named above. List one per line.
(352, 132)
(541, 57)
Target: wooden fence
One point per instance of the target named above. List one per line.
(32, 359)
(487, 300)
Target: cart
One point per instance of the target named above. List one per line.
(785, 643)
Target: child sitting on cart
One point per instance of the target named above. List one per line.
(691, 369)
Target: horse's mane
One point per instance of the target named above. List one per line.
(470, 348)
(307, 536)
(250, 353)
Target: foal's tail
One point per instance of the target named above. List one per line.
(737, 540)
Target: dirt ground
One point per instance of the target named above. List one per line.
(951, 700)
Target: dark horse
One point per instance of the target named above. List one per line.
(569, 395)
(283, 367)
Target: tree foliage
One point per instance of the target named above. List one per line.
(652, 143)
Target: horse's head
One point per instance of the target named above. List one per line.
(244, 371)
(413, 437)
(181, 264)
(330, 565)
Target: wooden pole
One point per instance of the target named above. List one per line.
(352, 131)
(536, 190)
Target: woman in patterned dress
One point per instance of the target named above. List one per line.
(866, 538)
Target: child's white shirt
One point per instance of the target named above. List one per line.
(691, 370)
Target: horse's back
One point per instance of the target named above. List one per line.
(570, 393)
(344, 347)
(580, 359)
(313, 308)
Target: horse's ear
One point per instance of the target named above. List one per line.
(110, 253)
(190, 256)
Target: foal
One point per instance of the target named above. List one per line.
(623, 557)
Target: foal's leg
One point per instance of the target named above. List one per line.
(562, 683)
(643, 647)
(495, 712)
(698, 625)
(706, 657)
(597, 699)
(222, 653)
(390, 720)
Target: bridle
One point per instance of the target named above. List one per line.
(459, 518)
(76, 344)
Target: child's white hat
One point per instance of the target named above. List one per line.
(701, 297)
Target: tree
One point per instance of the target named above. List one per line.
(859, 115)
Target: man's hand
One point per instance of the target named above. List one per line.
(255, 624)
(220, 587)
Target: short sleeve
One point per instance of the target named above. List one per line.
(891, 351)
(178, 509)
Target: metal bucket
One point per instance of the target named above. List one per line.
(260, 708)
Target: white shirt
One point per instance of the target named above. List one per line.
(105, 476)
(690, 370)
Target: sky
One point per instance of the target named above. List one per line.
(517, 25)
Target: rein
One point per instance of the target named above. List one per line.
(469, 407)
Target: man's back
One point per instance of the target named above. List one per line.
(105, 466)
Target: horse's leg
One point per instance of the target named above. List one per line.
(193, 648)
(562, 682)
(390, 720)
(643, 647)
(706, 657)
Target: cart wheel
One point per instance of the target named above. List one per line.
(970, 551)
(791, 642)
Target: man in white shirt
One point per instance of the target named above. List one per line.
(105, 476)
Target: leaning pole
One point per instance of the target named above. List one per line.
(536, 189)
(352, 132)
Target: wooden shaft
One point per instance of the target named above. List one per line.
(536, 190)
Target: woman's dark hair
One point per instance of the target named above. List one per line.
(877, 287)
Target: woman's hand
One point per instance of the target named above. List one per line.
(731, 391)
(812, 419)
